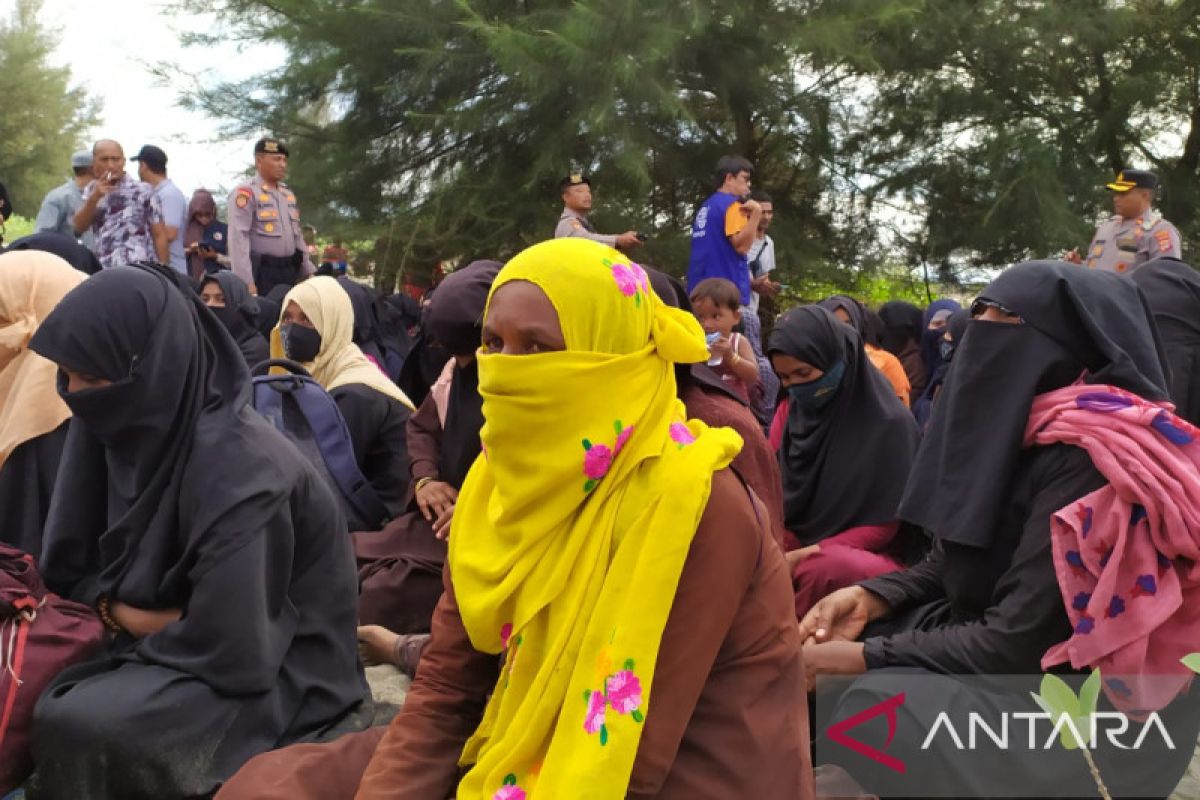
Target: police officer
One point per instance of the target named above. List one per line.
(266, 247)
(1136, 233)
(577, 202)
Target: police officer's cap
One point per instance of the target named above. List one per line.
(1133, 179)
(574, 179)
(271, 145)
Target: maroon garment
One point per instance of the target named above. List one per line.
(730, 717)
(851, 556)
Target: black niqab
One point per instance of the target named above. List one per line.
(901, 323)
(854, 309)
(1074, 320)
(845, 465)
(177, 377)
(1172, 291)
(378, 331)
(240, 316)
(455, 319)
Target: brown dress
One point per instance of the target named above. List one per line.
(400, 567)
(730, 714)
(757, 464)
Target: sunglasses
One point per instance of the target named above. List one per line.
(981, 305)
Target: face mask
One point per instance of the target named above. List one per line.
(815, 395)
(946, 350)
(300, 343)
(231, 318)
(109, 412)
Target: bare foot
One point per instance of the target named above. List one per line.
(376, 644)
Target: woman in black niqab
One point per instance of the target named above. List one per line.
(378, 329)
(1172, 290)
(845, 464)
(239, 315)
(177, 503)
(987, 600)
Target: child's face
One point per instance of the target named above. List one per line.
(714, 318)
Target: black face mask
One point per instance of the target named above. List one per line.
(231, 318)
(109, 412)
(300, 343)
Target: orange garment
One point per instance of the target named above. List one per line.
(892, 369)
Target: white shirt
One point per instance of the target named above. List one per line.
(762, 251)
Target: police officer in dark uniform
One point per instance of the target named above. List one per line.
(577, 202)
(266, 247)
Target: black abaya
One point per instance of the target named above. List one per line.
(1172, 290)
(377, 431)
(175, 494)
(26, 484)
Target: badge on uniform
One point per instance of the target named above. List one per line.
(1164, 240)
(242, 199)
(576, 225)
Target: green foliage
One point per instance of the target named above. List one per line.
(15, 227)
(1057, 699)
(936, 136)
(44, 119)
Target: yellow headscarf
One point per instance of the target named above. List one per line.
(31, 284)
(339, 361)
(572, 528)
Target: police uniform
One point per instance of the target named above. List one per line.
(572, 223)
(1122, 245)
(266, 247)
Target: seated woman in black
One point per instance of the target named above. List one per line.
(227, 296)
(400, 567)
(33, 418)
(213, 551)
(315, 329)
(1172, 290)
(992, 488)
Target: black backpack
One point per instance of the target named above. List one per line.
(303, 411)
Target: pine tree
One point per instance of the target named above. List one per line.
(44, 119)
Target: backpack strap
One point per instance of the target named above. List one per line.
(321, 411)
(332, 437)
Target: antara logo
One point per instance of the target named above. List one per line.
(837, 732)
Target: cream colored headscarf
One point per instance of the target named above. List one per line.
(339, 361)
(31, 284)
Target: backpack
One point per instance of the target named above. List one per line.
(41, 634)
(305, 413)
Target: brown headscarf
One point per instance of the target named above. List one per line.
(31, 284)
(202, 200)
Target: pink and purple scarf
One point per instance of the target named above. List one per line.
(1127, 555)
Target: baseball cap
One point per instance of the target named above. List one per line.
(81, 158)
(153, 157)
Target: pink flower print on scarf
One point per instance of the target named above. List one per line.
(625, 693)
(622, 692)
(681, 434)
(598, 458)
(510, 790)
(631, 279)
(505, 633)
(593, 720)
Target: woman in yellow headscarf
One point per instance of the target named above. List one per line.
(33, 418)
(315, 329)
(601, 552)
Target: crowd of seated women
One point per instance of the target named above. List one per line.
(607, 577)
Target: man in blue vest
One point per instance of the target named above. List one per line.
(725, 228)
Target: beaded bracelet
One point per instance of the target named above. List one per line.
(106, 616)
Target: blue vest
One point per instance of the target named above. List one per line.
(712, 254)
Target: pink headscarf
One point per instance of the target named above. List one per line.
(1127, 555)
